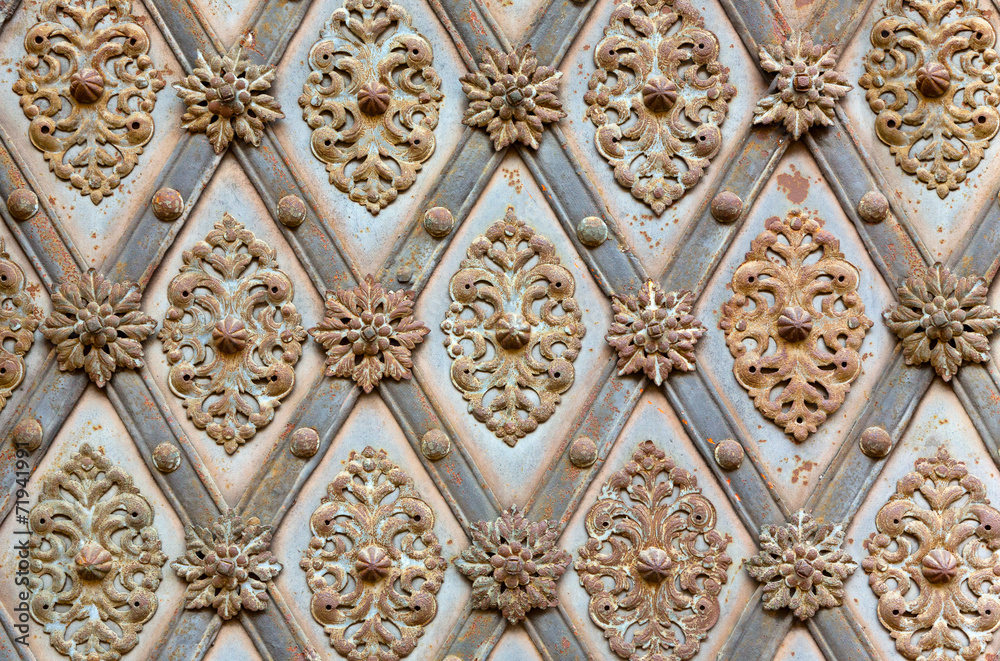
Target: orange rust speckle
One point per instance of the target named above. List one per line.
(793, 185)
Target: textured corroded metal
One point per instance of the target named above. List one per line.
(226, 98)
(231, 334)
(228, 566)
(95, 558)
(371, 100)
(513, 326)
(374, 564)
(816, 319)
(654, 332)
(513, 563)
(802, 565)
(653, 561)
(97, 325)
(88, 87)
(658, 98)
(934, 561)
(512, 97)
(807, 85)
(932, 71)
(368, 333)
(943, 320)
(19, 317)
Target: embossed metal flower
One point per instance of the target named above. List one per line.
(802, 565)
(96, 324)
(943, 320)
(654, 332)
(225, 97)
(228, 565)
(368, 333)
(513, 564)
(512, 97)
(807, 85)
(19, 318)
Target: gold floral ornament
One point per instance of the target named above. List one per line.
(934, 562)
(513, 326)
(225, 96)
(19, 317)
(816, 321)
(374, 564)
(95, 559)
(372, 100)
(943, 320)
(653, 561)
(513, 564)
(228, 566)
(512, 97)
(931, 79)
(654, 332)
(97, 325)
(232, 334)
(88, 87)
(802, 565)
(658, 98)
(806, 88)
(369, 333)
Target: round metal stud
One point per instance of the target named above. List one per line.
(873, 207)
(592, 231)
(168, 204)
(726, 207)
(305, 442)
(875, 442)
(404, 274)
(27, 435)
(166, 457)
(729, 454)
(583, 452)
(291, 211)
(22, 204)
(435, 445)
(438, 222)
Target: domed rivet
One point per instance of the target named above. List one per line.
(22, 204)
(875, 442)
(592, 231)
(27, 435)
(305, 442)
(168, 204)
(726, 207)
(166, 457)
(291, 211)
(404, 274)
(583, 452)
(729, 454)
(435, 445)
(438, 222)
(873, 207)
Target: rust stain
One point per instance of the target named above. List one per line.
(793, 185)
(803, 467)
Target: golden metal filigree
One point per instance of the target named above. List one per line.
(95, 559)
(232, 335)
(931, 77)
(513, 326)
(668, 94)
(653, 562)
(808, 306)
(19, 318)
(372, 101)
(88, 87)
(374, 564)
(934, 562)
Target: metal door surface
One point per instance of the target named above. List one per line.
(499, 329)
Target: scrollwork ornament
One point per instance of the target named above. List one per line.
(88, 86)
(19, 318)
(667, 97)
(94, 557)
(232, 334)
(934, 561)
(512, 328)
(372, 100)
(653, 561)
(816, 321)
(374, 564)
(931, 79)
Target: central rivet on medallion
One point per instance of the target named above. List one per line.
(794, 324)
(933, 79)
(939, 566)
(86, 85)
(93, 562)
(372, 564)
(653, 564)
(373, 98)
(513, 331)
(230, 335)
(659, 94)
